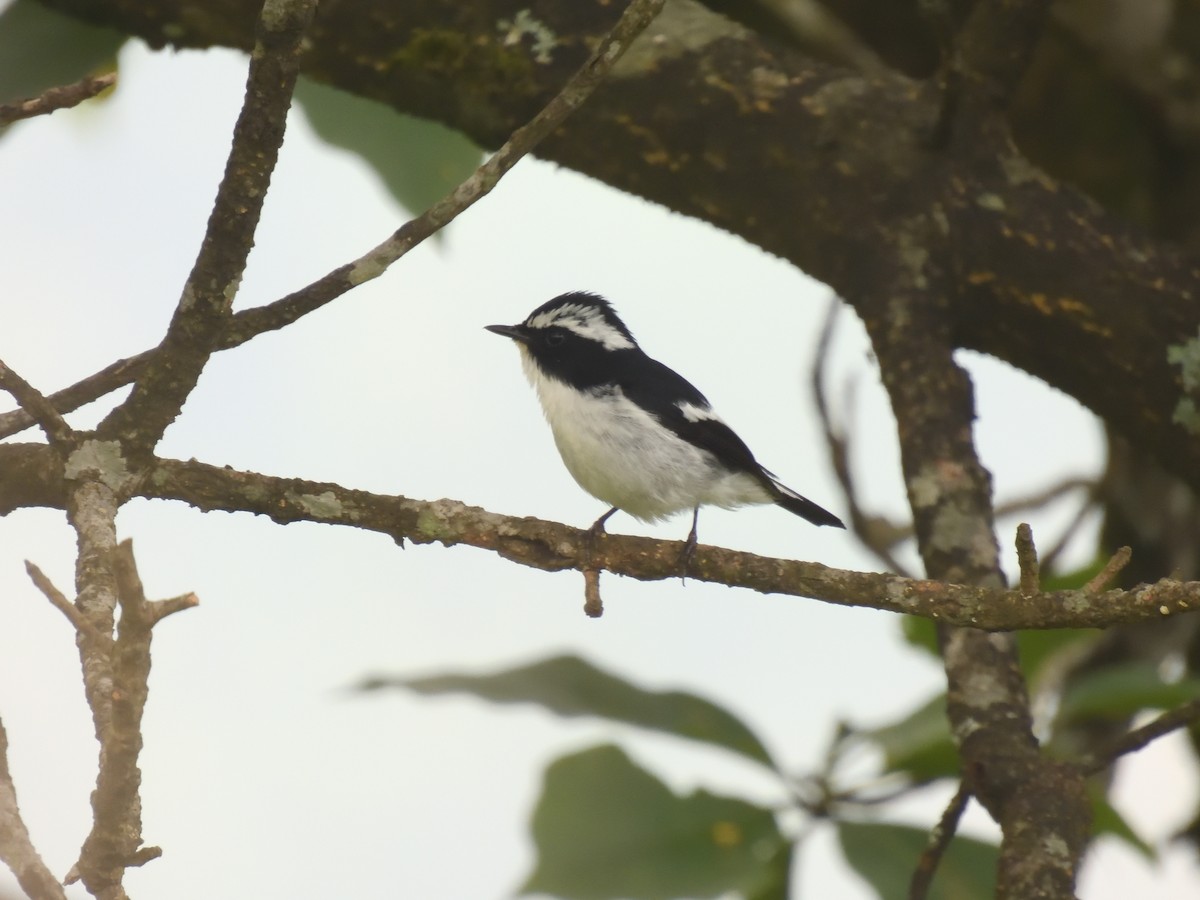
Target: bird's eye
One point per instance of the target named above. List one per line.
(554, 338)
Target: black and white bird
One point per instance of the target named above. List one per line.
(631, 431)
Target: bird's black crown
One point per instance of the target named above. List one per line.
(586, 315)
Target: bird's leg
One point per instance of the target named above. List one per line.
(596, 530)
(689, 546)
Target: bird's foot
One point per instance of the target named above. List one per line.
(689, 549)
(593, 533)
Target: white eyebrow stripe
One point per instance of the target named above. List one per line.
(694, 413)
(584, 321)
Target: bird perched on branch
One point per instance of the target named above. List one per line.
(631, 431)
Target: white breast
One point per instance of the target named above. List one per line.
(620, 454)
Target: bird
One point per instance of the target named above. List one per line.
(632, 432)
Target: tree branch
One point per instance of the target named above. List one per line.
(92, 511)
(375, 262)
(554, 547)
(939, 841)
(1180, 717)
(995, 45)
(95, 386)
(208, 294)
(949, 491)
(37, 407)
(1026, 262)
(249, 323)
(57, 98)
(60, 602)
(16, 849)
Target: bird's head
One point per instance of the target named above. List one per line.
(575, 338)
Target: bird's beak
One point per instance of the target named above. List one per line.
(516, 332)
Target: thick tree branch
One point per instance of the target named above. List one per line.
(29, 476)
(949, 491)
(798, 157)
(116, 835)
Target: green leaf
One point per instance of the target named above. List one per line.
(921, 633)
(1116, 692)
(886, 856)
(606, 828)
(1106, 820)
(570, 686)
(919, 745)
(1038, 647)
(419, 161)
(41, 49)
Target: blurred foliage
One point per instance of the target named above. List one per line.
(604, 828)
(418, 161)
(570, 686)
(41, 49)
(885, 856)
(1110, 122)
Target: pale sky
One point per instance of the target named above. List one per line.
(262, 777)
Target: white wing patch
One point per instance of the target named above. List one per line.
(694, 413)
(585, 321)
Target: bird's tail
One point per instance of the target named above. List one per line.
(803, 507)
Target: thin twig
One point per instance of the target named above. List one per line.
(1090, 502)
(16, 847)
(41, 410)
(1027, 560)
(1131, 742)
(1103, 578)
(60, 602)
(375, 262)
(110, 378)
(249, 323)
(1043, 496)
(876, 534)
(57, 98)
(939, 840)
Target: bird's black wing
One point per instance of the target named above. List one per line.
(666, 394)
(680, 406)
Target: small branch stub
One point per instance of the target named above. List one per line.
(593, 605)
(1027, 560)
